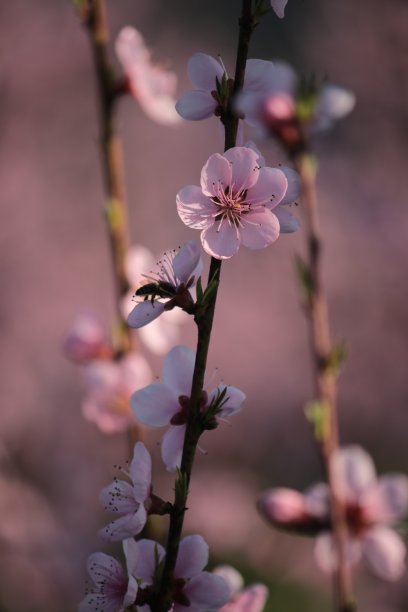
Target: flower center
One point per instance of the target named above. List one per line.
(231, 205)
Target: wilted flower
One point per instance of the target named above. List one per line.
(165, 403)
(370, 504)
(235, 203)
(152, 86)
(109, 386)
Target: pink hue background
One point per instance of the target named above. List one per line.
(55, 262)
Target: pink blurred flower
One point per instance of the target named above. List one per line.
(279, 7)
(178, 272)
(152, 86)
(165, 403)
(204, 72)
(109, 386)
(371, 506)
(249, 599)
(86, 340)
(234, 203)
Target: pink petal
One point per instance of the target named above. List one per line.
(216, 175)
(287, 222)
(259, 228)
(203, 70)
(155, 405)
(258, 74)
(244, 168)
(282, 506)
(163, 333)
(130, 48)
(131, 552)
(186, 261)
(205, 592)
(160, 108)
(279, 7)
(234, 396)
(118, 497)
(125, 527)
(384, 551)
(144, 312)
(231, 576)
(294, 190)
(326, 553)
(269, 189)
(194, 208)
(260, 160)
(252, 599)
(172, 447)
(145, 564)
(316, 499)
(178, 369)
(138, 261)
(135, 372)
(140, 471)
(387, 500)
(192, 557)
(104, 568)
(284, 79)
(196, 105)
(221, 240)
(354, 472)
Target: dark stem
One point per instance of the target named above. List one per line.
(326, 384)
(204, 322)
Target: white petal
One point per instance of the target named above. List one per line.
(145, 565)
(279, 7)
(206, 592)
(186, 260)
(203, 70)
(144, 312)
(178, 369)
(235, 398)
(196, 105)
(231, 576)
(163, 333)
(258, 74)
(140, 471)
(172, 447)
(155, 405)
(138, 261)
(384, 551)
(192, 556)
(118, 497)
(103, 568)
(125, 527)
(334, 103)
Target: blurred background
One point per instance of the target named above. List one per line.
(55, 262)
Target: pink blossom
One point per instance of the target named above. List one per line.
(152, 86)
(204, 71)
(85, 340)
(279, 7)
(249, 599)
(109, 386)
(372, 505)
(165, 403)
(235, 203)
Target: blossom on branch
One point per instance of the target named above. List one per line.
(249, 599)
(236, 202)
(168, 402)
(371, 506)
(85, 340)
(279, 7)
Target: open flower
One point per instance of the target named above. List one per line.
(152, 86)
(205, 72)
(85, 340)
(279, 7)
(249, 599)
(169, 286)
(109, 385)
(234, 203)
(166, 403)
(371, 506)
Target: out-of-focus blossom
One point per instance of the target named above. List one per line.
(85, 340)
(279, 7)
(109, 386)
(113, 589)
(249, 599)
(169, 286)
(165, 403)
(235, 203)
(371, 506)
(153, 87)
(208, 75)
(133, 501)
(289, 110)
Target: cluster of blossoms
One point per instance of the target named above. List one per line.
(371, 506)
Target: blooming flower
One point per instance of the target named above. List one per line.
(165, 403)
(371, 505)
(279, 7)
(132, 501)
(152, 86)
(249, 599)
(85, 340)
(234, 203)
(109, 386)
(204, 72)
(169, 287)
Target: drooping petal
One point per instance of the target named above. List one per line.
(172, 447)
(259, 228)
(145, 565)
(234, 399)
(221, 240)
(294, 189)
(140, 471)
(192, 557)
(155, 405)
(196, 105)
(205, 592)
(269, 189)
(144, 312)
(384, 551)
(279, 7)
(118, 497)
(186, 261)
(125, 527)
(194, 208)
(216, 175)
(287, 222)
(203, 70)
(354, 472)
(178, 369)
(244, 168)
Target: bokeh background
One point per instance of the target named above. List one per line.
(55, 262)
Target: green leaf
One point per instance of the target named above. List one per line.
(317, 414)
(305, 279)
(336, 358)
(199, 290)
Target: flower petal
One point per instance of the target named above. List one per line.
(205, 592)
(118, 497)
(244, 168)
(192, 556)
(294, 189)
(384, 551)
(334, 103)
(144, 312)
(269, 189)
(354, 472)
(140, 471)
(125, 527)
(172, 447)
(231, 576)
(162, 333)
(194, 208)
(287, 222)
(216, 175)
(155, 404)
(234, 399)
(203, 70)
(259, 228)
(178, 369)
(103, 569)
(279, 7)
(145, 564)
(326, 553)
(186, 261)
(252, 599)
(138, 260)
(221, 240)
(258, 74)
(196, 105)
